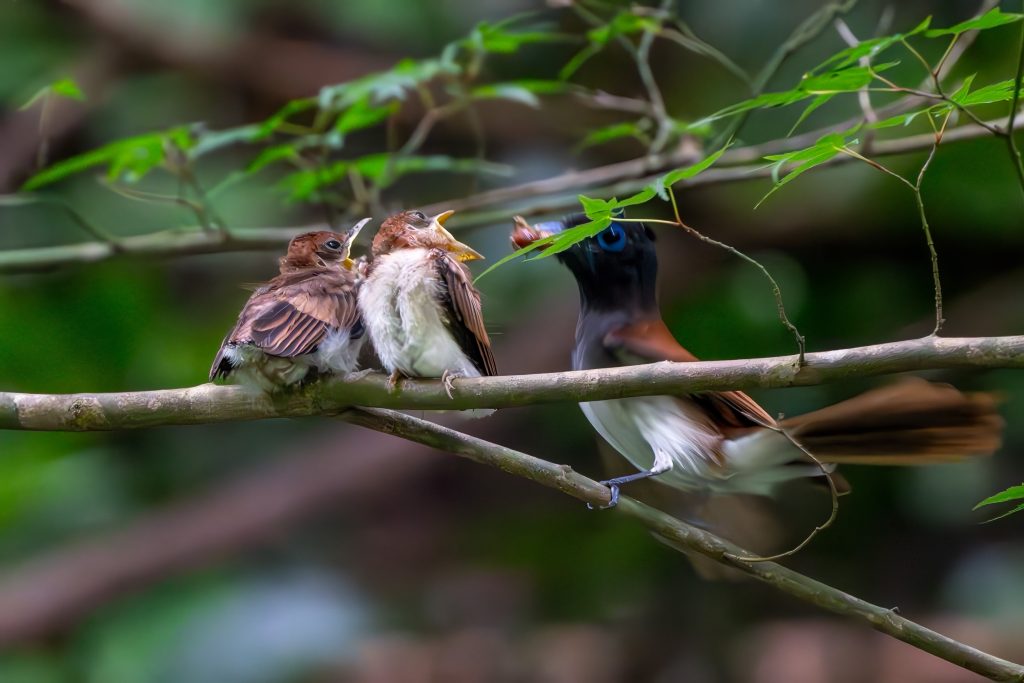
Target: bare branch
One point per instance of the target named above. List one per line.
(210, 403)
(687, 538)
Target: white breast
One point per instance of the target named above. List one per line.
(638, 428)
(405, 321)
(338, 352)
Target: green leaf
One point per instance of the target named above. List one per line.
(567, 238)
(1012, 493)
(544, 241)
(384, 86)
(362, 114)
(900, 119)
(623, 23)
(497, 38)
(65, 87)
(990, 19)
(616, 131)
(578, 60)
(824, 149)
(809, 109)
(869, 48)
(673, 177)
(850, 79)
(272, 124)
(212, 141)
(994, 92)
(271, 155)
(128, 159)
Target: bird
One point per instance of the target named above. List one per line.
(723, 442)
(419, 305)
(304, 322)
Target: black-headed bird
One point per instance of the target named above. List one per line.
(304, 322)
(723, 441)
(419, 304)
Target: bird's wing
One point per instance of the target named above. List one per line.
(651, 341)
(461, 301)
(294, 314)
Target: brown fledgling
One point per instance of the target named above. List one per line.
(304, 322)
(419, 304)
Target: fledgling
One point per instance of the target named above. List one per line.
(723, 441)
(304, 322)
(419, 304)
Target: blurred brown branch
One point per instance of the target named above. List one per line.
(210, 403)
(687, 538)
(550, 195)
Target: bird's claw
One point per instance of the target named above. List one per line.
(613, 499)
(448, 380)
(393, 381)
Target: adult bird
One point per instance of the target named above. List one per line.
(723, 441)
(419, 304)
(304, 322)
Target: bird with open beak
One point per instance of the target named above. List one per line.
(419, 304)
(723, 441)
(304, 322)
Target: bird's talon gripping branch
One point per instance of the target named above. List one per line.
(393, 380)
(613, 498)
(448, 380)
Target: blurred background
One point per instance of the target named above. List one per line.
(311, 551)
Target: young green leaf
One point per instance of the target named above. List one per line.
(65, 87)
(1011, 494)
(805, 159)
(991, 19)
(524, 91)
(628, 129)
(362, 114)
(537, 244)
(673, 177)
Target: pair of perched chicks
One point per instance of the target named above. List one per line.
(415, 300)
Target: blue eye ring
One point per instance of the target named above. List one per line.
(612, 238)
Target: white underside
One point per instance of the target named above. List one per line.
(400, 308)
(661, 432)
(337, 353)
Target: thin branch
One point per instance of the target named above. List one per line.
(210, 403)
(809, 29)
(547, 196)
(687, 538)
(1011, 142)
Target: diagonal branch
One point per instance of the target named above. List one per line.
(210, 403)
(687, 538)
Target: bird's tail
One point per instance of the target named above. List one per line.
(912, 422)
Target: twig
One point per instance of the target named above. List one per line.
(1011, 142)
(809, 29)
(684, 536)
(547, 196)
(209, 403)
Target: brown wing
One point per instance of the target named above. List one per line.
(304, 311)
(290, 315)
(651, 341)
(465, 316)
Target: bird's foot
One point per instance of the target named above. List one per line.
(613, 499)
(357, 375)
(393, 380)
(448, 380)
(614, 484)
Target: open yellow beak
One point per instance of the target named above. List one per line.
(350, 239)
(460, 251)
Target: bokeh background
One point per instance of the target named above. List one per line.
(311, 551)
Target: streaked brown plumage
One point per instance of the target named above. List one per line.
(419, 304)
(306, 318)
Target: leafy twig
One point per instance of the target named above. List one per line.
(1015, 156)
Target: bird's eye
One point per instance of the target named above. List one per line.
(332, 244)
(418, 215)
(613, 238)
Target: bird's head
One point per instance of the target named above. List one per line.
(616, 268)
(322, 249)
(414, 230)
